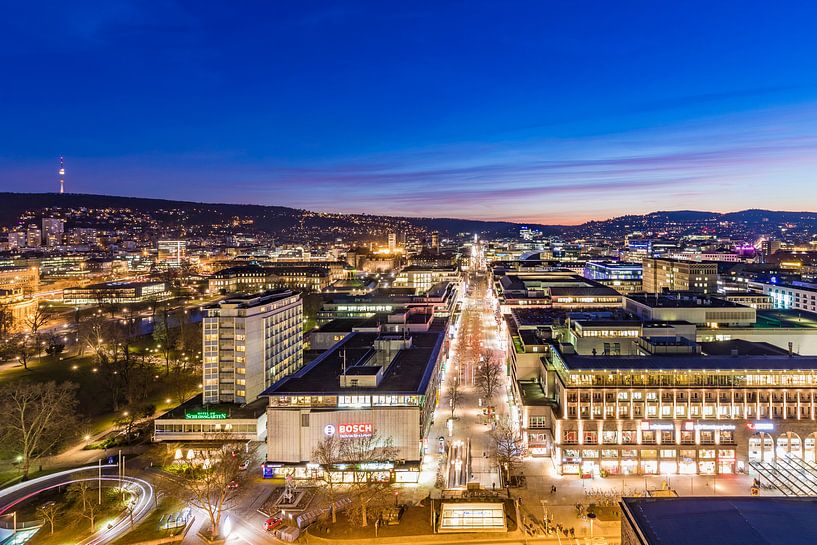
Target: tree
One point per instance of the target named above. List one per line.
(90, 509)
(370, 493)
(165, 335)
(49, 511)
(36, 321)
(327, 453)
(489, 378)
(212, 485)
(507, 447)
(19, 347)
(454, 395)
(6, 319)
(36, 417)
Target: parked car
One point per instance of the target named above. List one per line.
(244, 465)
(232, 485)
(272, 523)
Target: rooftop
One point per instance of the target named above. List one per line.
(681, 300)
(194, 406)
(720, 521)
(409, 373)
(254, 299)
(690, 362)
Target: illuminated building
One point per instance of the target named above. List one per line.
(194, 421)
(34, 237)
(24, 279)
(52, 232)
(250, 342)
(703, 310)
(116, 292)
(676, 275)
(366, 383)
(680, 414)
(553, 289)
(172, 252)
(253, 278)
(422, 278)
(796, 295)
(392, 242)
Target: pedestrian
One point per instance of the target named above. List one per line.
(572, 532)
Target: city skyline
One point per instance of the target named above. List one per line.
(553, 114)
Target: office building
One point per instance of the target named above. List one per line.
(250, 342)
(23, 279)
(16, 239)
(675, 275)
(172, 252)
(698, 309)
(116, 293)
(799, 296)
(34, 237)
(421, 278)
(302, 276)
(680, 414)
(392, 242)
(367, 383)
(560, 288)
(53, 229)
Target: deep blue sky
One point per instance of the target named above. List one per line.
(535, 111)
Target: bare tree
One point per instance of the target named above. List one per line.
(507, 447)
(37, 320)
(372, 491)
(454, 395)
(90, 509)
(327, 453)
(213, 483)
(21, 348)
(6, 319)
(36, 417)
(489, 378)
(49, 511)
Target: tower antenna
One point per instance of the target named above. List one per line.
(62, 175)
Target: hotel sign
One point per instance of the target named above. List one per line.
(205, 414)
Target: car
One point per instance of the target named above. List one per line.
(244, 465)
(272, 523)
(232, 485)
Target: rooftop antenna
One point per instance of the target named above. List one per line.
(62, 175)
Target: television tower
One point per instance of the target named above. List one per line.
(62, 175)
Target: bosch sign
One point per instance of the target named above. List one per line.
(355, 430)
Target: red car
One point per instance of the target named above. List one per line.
(232, 485)
(272, 523)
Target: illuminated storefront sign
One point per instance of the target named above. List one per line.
(708, 426)
(647, 425)
(355, 430)
(205, 414)
(329, 430)
(761, 426)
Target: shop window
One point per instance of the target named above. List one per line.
(668, 453)
(667, 437)
(590, 438)
(570, 436)
(648, 437)
(609, 437)
(628, 437)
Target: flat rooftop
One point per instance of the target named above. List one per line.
(685, 300)
(253, 299)
(409, 372)
(789, 318)
(194, 405)
(691, 362)
(723, 521)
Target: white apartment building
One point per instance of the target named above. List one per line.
(172, 252)
(250, 342)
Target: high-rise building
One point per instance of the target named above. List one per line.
(34, 237)
(17, 239)
(675, 275)
(172, 252)
(53, 229)
(392, 242)
(251, 342)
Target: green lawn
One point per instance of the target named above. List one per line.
(148, 528)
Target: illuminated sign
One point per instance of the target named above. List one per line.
(707, 426)
(646, 425)
(355, 430)
(761, 426)
(329, 430)
(205, 414)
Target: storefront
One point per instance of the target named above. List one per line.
(347, 473)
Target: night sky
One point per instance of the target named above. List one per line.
(543, 111)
